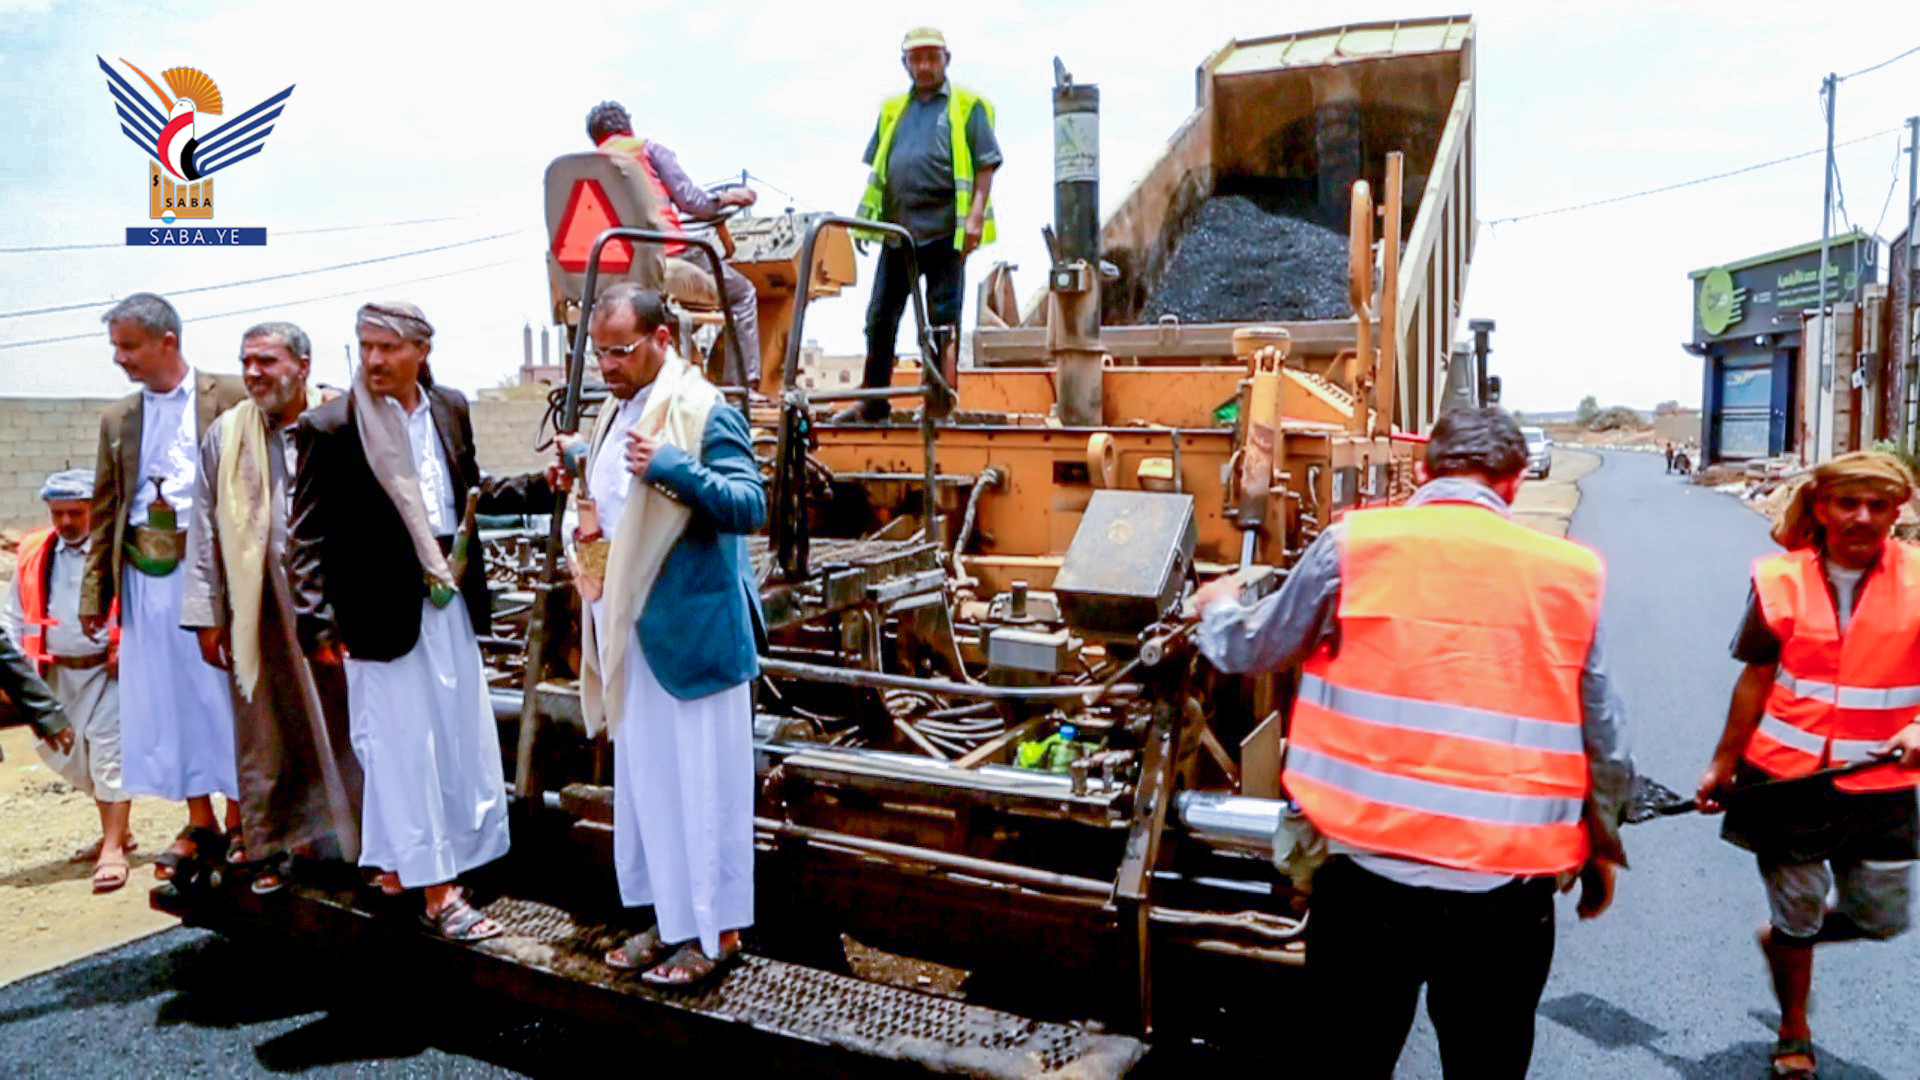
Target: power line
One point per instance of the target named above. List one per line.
(1881, 64)
(271, 277)
(289, 232)
(1891, 185)
(94, 334)
(1683, 184)
(766, 183)
(1840, 197)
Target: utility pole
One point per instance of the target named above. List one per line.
(1825, 383)
(1912, 436)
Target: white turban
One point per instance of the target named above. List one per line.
(68, 485)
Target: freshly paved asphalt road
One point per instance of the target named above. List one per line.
(191, 1003)
(1670, 983)
(1667, 984)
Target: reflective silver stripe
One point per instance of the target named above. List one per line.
(1428, 797)
(1791, 737)
(1845, 751)
(1852, 697)
(1460, 721)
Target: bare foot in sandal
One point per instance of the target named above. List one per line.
(91, 853)
(458, 922)
(641, 951)
(690, 966)
(110, 873)
(185, 846)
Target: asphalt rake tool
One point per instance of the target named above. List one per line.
(1651, 800)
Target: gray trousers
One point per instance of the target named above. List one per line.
(741, 301)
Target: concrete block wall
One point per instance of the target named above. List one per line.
(41, 435)
(503, 435)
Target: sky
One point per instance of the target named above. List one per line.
(445, 117)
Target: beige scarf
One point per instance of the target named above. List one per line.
(243, 515)
(676, 413)
(383, 438)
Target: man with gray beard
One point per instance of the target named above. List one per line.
(299, 782)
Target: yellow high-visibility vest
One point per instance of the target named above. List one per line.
(960, 103)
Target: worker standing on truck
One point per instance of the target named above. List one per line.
(933, 155)
(1831, 640)
(390, 585)
(675, 193)
(176, 717)
(1457, 742)
(82, 670)
(669, 639)
(299, 783)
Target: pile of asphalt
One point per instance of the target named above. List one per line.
(1254, 258)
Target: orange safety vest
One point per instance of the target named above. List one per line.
(1838, 695)
(30, 573)
(1447, 727)
(636, 148)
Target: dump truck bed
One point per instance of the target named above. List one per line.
(1287, 123)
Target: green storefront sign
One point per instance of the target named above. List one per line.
(1767, 293)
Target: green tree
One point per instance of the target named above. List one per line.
(1589, 408)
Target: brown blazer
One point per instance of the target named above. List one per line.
(117, 470)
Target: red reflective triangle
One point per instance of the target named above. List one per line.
(589, 213)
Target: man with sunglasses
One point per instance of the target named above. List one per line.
(1831, 644)
(670, 638)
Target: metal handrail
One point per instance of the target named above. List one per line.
(787, 528)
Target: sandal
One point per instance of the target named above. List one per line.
(639, 952)
(272, 873)
(110, 874)
(459, 923)
(91, 853)
(236, 850)
(693, 966)
(1794, 1048)
(194, 837)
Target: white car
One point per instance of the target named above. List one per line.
(1539, 452)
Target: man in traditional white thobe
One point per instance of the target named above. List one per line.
(176, 718)
(376, 571)
(299, 781)
(670, 644)
(43, 617)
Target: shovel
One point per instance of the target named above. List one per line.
(1651, 799)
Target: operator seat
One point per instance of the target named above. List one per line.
(592, 191)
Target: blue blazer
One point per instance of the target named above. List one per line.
(702, 626)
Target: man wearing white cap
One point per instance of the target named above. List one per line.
(82, 669)
(933, 156)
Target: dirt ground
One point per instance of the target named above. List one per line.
(48, 913)
(1548, 504)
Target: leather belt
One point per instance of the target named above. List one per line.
(79, 663)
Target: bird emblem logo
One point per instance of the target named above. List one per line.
(184, 161)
